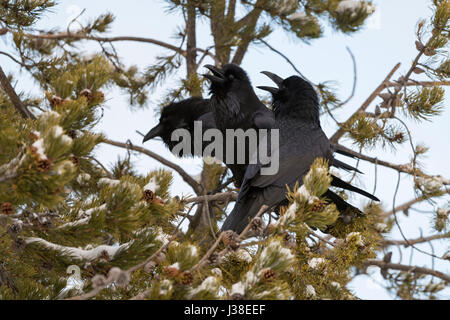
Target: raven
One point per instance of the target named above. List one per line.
(302, 140)
(181, 115)
(310, 108)
(235, 105)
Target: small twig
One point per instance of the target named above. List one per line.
(355, 79)
(284, 56)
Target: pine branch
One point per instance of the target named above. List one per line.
(384, 265)
(14, 97)
(186, 177)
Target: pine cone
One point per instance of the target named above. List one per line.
(97, 97)
(7, 208)
(257, 225)
(171, 271)
(73, 134)
(269, 275)
(186, 278)
(74, 160)
(33, 136)
(213, 259)
(43, 165)
(231, 239)
(149, 196)
(318, 206)
(399, 136)
(56, 101)
(86, 93)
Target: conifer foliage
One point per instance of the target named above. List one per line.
(121, 231)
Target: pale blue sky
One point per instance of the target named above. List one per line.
(387, 40)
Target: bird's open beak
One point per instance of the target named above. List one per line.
(277, 79)
(272, 90)
(216, 76)
(155, 132)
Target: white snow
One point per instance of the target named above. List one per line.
(40, 149)
(152, 185)
(315, 262)
(310, 291)
(78, 253)
(244, 255)
(357, 235)
(85, 217)
(109, 182)
(238, 288)
(298, 16)
(353, 6)
(210, 284)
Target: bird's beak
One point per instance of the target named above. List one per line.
(216, 76)
(155, 132)
(272, 90)
(277, 79)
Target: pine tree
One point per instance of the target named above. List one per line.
(120, 230)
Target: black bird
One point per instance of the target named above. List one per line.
(235, 105)
(302, 140)
(181, 115)
(287, 96)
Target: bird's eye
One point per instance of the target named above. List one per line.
(231, 77)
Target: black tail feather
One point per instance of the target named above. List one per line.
(342, 165)
(336, 182)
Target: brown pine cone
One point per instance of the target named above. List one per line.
(149, 196)
(43, 165)
(318, 206)
(186, 278)
(231, 239)
(7, 208)
(171, 271)
(269, 275)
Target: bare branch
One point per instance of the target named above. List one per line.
(216, 197)
(387, 243)
(383, 265)
(407, 168)
(78, 36)
(420, 83)
(14, 97)
(186, 177)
